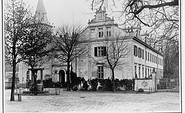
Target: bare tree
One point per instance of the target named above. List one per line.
(69, 46)
(17, 16)
(134, 8)
(36, 47)
(116, 50)
(159, 20)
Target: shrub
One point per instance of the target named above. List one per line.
(140, 90)
(85, 86)
(57, 85)
(48, 83)
(94, 84)
(107, 85)
(117, 84)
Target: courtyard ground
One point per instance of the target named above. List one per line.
(89, 101)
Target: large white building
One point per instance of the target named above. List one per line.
(140, 61)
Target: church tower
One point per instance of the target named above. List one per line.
(41, 19)
(41, 14)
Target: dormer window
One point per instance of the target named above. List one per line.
(108, 31)
(100, 16)
(100, 32)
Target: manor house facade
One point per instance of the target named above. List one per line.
(139, 63)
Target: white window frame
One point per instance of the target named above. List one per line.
(100, 72)
(109, 32)
(100, 32)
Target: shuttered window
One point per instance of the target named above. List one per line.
(139, 52)
(135, 50)
(100, 51)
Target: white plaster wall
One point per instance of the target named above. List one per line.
(140, 84)
(147, 63)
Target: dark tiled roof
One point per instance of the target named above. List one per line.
(146, 45)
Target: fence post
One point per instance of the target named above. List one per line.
(57, 91)
(19, 94)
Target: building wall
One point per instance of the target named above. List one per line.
(149, 63)
(87, 65)
(51, 71)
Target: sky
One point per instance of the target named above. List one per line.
(66, 11)
(69, 12)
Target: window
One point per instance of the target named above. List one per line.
(139, 52)
(142, 53)
(135, 50)
(135, 70)
(92, 32)
(108, 31)
(100, 32)
(100, 72)
(139, 71)
(152, 58)
(100, 16)
(100, 51)
(143, 71)
(148, 56)
(145, 55)
(148, 72)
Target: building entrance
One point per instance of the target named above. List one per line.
(62, 77)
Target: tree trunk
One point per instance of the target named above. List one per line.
(13, 80)
(68, 76)
(34, 81)
(113, 81)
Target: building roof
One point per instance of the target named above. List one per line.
(41, 14)
(146, 45)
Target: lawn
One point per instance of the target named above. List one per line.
(89, 101)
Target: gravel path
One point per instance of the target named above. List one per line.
(78, 101)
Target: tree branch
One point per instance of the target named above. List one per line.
(172, 3)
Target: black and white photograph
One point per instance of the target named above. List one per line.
(73, 56)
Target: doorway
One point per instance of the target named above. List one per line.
(62, 77)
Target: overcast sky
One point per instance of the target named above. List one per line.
(67, 11)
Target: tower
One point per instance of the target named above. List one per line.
(39, 21)
(41, 14)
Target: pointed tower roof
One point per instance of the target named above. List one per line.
(40, 13)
